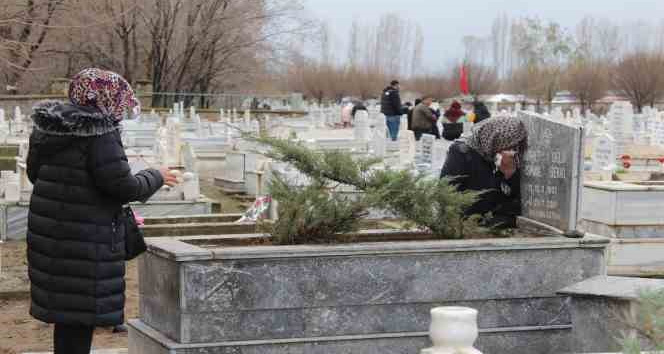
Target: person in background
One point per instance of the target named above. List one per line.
(358, 106)
(481, 112)
(346, 114)
(489, 161)
(76, 232)
(454, 113)
(423, 118)
(434, 125)
(409, 114)
(390, 106)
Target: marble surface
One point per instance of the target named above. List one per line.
(14, 216)
(638, 206)
(362, 289)
(613, 287)
(541, 340)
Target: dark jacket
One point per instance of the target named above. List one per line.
(75, 235)
(423, 118)
(390, 102)
(472, 172)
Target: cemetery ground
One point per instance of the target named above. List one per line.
(21, 333)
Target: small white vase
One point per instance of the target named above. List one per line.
(453, 330)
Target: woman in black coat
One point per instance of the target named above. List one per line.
(489, 161)
(76, 254)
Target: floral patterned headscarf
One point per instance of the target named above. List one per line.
(499, 134)
(105, 90)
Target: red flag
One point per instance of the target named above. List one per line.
(463, 82)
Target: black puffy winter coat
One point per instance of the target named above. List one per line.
(390, 102)
(502, 197)
(75, 237)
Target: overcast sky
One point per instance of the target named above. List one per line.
(445, 22)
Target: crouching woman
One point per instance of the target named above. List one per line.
(489, 161)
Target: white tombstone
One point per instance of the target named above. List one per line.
(621, 118)
(255, 128)
(13, 187)
(439, 153)
(198, 125)
(191, 186)
(604, 153)
(403, 125)
(406, 148)
(2, 117)
(453, 330)
(234, 115)
(18, 120)
(361, 130)
(379, 141)
(425, 149)
(192, 113)
(189, 159)
(557, 114)
(247, 119)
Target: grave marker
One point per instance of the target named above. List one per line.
(604, 153)
(551, 177)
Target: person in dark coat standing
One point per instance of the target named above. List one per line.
(489, 161)
(81, 178)
(390, 106)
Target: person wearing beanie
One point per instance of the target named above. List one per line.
(481, 112)
(76, 227)
(390, 106)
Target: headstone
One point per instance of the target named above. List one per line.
(361, 130)
(18, 120)
(439, 154)
(379, 142)
(425, 149)
(604, 153)
(192, 113)
(189, 159)
(13, 188)
(255, 128)
(621, 118)
(406, 147)
(2, 116)
(403, 126)
(191, 186)
(552, 173)
(247, 119)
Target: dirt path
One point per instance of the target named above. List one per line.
(21, 333)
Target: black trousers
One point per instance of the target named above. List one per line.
(72, 339)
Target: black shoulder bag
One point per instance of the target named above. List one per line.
(134, 237)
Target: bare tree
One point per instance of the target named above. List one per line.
(24, 26)
(639, 77)
(587, 79)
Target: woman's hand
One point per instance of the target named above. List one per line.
(170, 179)
(507, 163)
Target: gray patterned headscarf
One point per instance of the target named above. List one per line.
(499, 134)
